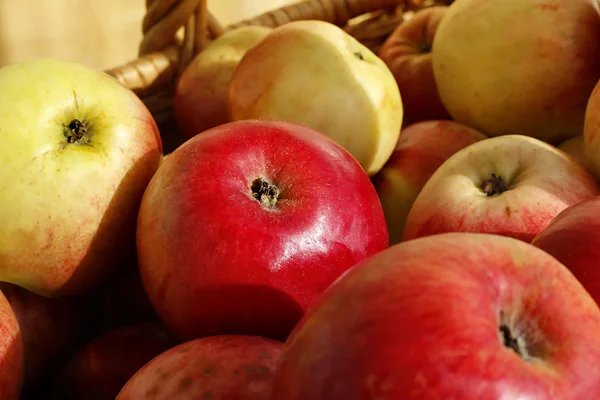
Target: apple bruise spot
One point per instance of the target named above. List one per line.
(359, 55)
(75, 132)
(266, 193)
(493, 186)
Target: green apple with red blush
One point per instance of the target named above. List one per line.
(510, 185)
(77, 151)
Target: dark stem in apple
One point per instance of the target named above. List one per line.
(513, 342)
(75, 131)
(265, 192)
(493, 186)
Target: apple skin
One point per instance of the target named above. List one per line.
(591, 131)
(315, 74)
(542, 181)
(500, 65)
(12, 372)
(421, 149)
(575, 147)
(407, 53)
(201, 94)
(69, 209)
(51, 330)
(426, 319)
(572, 238)
(215, 260)
(224, 367)
(99, 369)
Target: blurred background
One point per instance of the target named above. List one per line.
(99, 33)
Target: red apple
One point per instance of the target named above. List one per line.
(100, 369)
(243, 227)
(228, 367)
(573, 238)
(407, 53)
(11, 353)
(451, 316)
(511, 185)
(421, 149)
(51, 329)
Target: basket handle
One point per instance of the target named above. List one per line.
(166, 50)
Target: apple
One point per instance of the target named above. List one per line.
(201, 94)
(407, 52)
(243, 227)
(501, 65)
(315, 74)
(11, 353)
(77, 151)
(510, 185)
(99, 369)
(591, 131)
(226, 367)
(575, 147)
(451, 316)
(51, 329)
(572, 238)
(421, 149)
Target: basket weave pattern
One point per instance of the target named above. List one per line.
(175, 31)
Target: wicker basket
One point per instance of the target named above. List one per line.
(176, 30)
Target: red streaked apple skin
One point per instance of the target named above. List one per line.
(214, 260)
(11, 353)
(421, 321)
(406, 52)
(542, 181)
(421, 149)
(224, 367)
(573, 238)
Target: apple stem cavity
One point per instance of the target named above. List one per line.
(265, 192)
(513, 343)
(75, 131)
(493, 186)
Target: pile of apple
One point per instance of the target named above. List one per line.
(419, 221)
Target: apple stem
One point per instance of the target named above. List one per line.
(75, 131)
(493, 186)
(514, 343)
(266, 193)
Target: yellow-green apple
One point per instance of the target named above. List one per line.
(227, 367)
(591, 131)
(451, 316)
(501, 65)
(51, 330)
(407, 52)
(11, 353)
(511, 185)
(77, 150)
(575, 147)
(315, 74)
(99, 369)
(572, 239)
(243, 227)
(201, 94)
(421, 149)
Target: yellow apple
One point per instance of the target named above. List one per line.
(523, 67)
(315, 74)
(200, 100)
(77, 150)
